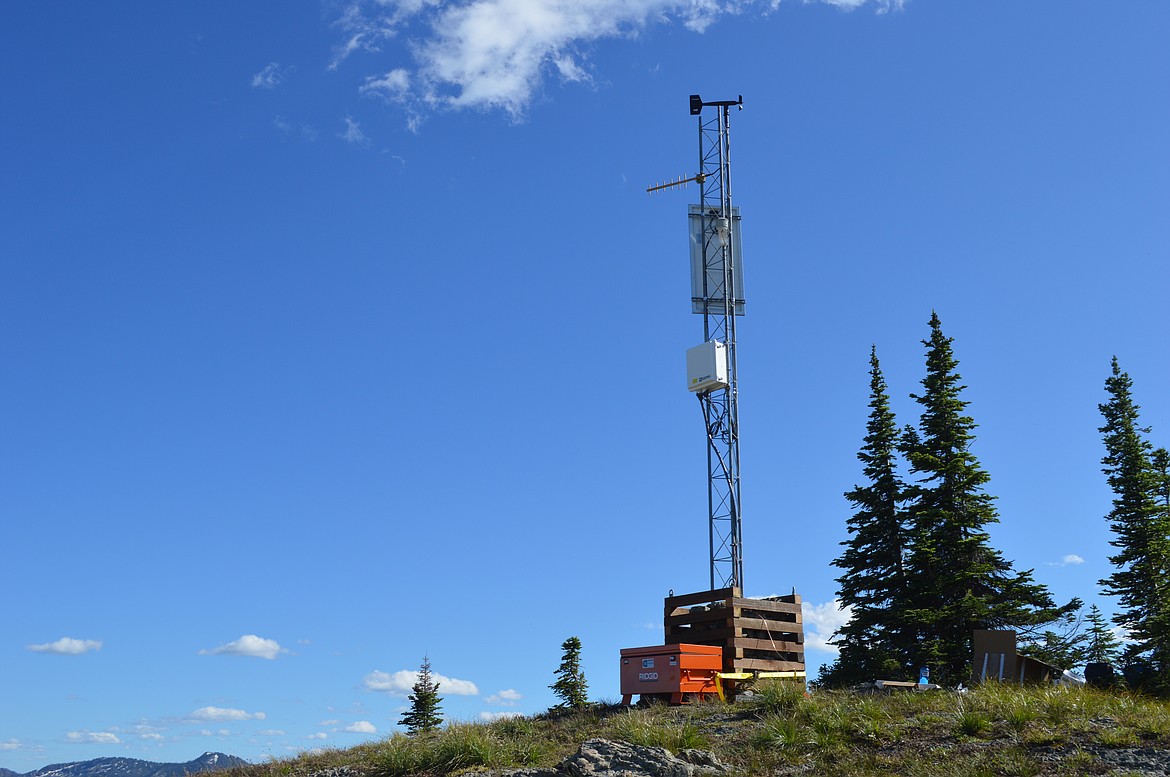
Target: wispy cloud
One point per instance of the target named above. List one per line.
(67, 646)
(1072, 559)
(271, 76)
(10, 744)
(507, 697)
(222, 713)
(361, 727)
(821, 621)
(248, 645)
(142, 731)
(496, 54)
(93, 738)
(353, 133)
(401, 682)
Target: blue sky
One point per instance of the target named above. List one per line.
(336, 335)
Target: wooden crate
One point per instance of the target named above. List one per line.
(757, 635)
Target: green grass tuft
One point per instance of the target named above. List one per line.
(999, 730)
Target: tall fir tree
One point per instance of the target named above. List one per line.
(1140, 520)
(874, 642)
(1103, 645)
(570, 686)
(957, 582)
(424, 714)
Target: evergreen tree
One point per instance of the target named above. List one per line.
(1140, 520)
(1104, 647)
(873, 643)
(1066, 649)
(956, 581)
(424, 714)
(570, 686)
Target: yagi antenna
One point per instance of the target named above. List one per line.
(697, 178)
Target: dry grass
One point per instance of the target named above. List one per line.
(995, 730)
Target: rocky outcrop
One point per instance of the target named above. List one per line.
(606, 758)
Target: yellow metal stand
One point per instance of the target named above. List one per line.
(742, 677)
(721, 676)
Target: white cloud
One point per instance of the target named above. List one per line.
(248, 645)
(11, 744)
(506, 697)
(271, 76)
(271, 732)
(497, 53)
(1072, 559)
(67, 646)
(394, 85)
(820, 623)
(353, 133)
(361, 727)
(221, 713)
(93, 738)
(883, 6)
(143, 730)
(318, 735)
(151, 735)
(488, 717)
(401, 682)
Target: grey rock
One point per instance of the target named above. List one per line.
(1137, 761)
(605, 758)
(338, 771)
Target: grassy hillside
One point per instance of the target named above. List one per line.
(995, 730)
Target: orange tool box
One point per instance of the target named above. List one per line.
(670, 672)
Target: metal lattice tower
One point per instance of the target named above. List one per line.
(721, 302)
(717, 294)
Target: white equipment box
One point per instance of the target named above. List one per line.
(707, 367)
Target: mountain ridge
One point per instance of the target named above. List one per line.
(132, 767)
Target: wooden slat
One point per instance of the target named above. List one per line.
(703, 616)
(779, 617)
(759, 664)
(772, 627)
(678, 633)
(676, 636)
(766, 605)
(779, 646)
(797, 657)
(701, 597)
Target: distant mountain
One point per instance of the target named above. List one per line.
(132, 767)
